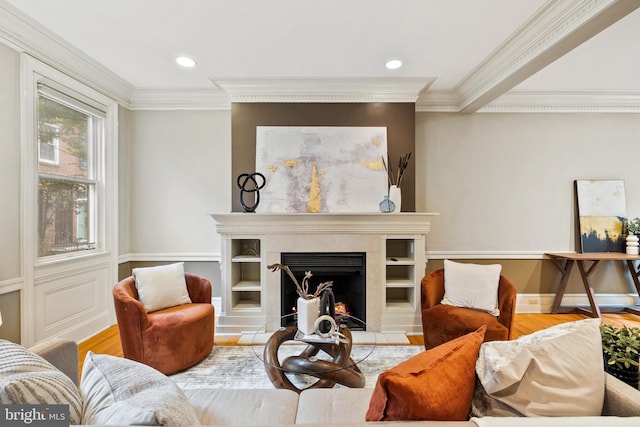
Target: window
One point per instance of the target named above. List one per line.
(48, 144)
(69, 138)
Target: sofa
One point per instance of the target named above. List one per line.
(337, 406)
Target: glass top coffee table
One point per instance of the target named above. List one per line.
(313, 361)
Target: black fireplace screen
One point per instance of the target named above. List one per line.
(346, 270)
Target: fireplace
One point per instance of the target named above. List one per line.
(347, 270)
(395, 262)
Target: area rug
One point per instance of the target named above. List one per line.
(239, 367)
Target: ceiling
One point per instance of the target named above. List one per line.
(458, 55)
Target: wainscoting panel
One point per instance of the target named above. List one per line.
(74, 304)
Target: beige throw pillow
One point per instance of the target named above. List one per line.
(472, 286)
(119, 391)
(553, 372)
(162, 286)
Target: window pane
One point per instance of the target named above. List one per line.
(63, 140)
(64, 222)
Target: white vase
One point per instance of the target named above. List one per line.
(632, 244)
(395, 195)
(308, 312)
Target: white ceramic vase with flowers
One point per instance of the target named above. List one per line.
(308, 304)
(394, 179)
(633, 230)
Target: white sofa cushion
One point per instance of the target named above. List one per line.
(119, 391)
(231, 407)
(162, 286)
(556, 421)
(553, 372)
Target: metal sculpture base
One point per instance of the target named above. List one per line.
(340, 370)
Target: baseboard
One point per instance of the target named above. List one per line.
(541, 303)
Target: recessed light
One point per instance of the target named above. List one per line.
(394, 64)
(185, 61)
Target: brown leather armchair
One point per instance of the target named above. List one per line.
(169, 340)
(442, 323)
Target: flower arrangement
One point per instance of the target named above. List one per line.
(395, 178)
(633, 226)
(302, 289)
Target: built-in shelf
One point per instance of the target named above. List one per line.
(401, 278)
(400, 261)
(245, 258)
(400, 283)
(245, 283)
(399, 304)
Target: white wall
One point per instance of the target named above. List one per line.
(179, 172)
(10, 274)
(504, 182)
(9, 163)
(124, 179)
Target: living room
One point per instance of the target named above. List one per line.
(501, 179)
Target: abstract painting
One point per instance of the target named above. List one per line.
(321, 169)
(602, 210)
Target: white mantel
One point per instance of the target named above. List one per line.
(251, 293)
(275, 223)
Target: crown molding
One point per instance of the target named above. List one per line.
(539, 102)
(324, 90)
(440, 101)
(558, 27)
(565, 102)
(30, 37)
(179, 99)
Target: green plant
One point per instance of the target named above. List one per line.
(633, 226)
(621, 346)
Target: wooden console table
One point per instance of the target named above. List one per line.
(565, 261)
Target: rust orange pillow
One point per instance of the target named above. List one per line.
(436, 384)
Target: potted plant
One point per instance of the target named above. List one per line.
(621, 351)
(632, 226)
(633, 230)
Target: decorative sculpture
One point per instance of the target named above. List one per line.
(327, 308)
(248, 184)
(341, 369)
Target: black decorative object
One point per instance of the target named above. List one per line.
(248, 184)
(328, 307)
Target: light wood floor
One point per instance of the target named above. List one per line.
(108, 341)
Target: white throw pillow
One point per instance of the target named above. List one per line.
(472, 286)
(162, 286)
(557, 371)
(119, 391)
(28, 379)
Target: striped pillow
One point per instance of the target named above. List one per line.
(119, 391)
(26, 378)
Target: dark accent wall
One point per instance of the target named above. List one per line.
(398, 118)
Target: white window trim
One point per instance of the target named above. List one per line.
(107, 216)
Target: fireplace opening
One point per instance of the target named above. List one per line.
(346, 270)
